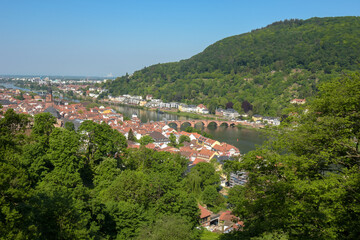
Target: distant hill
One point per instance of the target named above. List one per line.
(266, 67)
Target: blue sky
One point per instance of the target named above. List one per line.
(96, 38)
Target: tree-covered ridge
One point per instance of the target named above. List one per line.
(267, 67)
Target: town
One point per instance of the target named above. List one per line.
(192, 146)
(90, 90)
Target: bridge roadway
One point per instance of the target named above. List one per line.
(204, 122)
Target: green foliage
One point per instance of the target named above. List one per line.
(60, 184)
(145, 140)
(184, 138)
(131, 136)
(207, 174)
(213, 199)
(168, 227)
(266, 67)
(101, 140)
(43, 125)
(304, 184)
(172, 139)
(70, 126)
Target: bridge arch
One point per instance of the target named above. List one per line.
(188, 122)
(172, 124)
(201, 122)
(223, 124)
(211, 122)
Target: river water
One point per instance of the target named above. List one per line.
(244, 139)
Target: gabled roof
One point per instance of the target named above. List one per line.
(53, 111)
(228, 216)
(204, 212)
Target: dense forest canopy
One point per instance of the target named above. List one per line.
(266, 67)
(57, 183)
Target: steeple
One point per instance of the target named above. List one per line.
(49, 101)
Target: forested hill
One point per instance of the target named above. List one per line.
(266, 67)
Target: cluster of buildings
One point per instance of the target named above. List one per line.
(64, 112)
(198, 149)
(153, 103)
(223, 221)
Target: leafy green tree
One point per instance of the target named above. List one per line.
(43, 125)
(184, 138)
(172, 139)
(167, 227)
(100, 141)
(305, 182)
(145, 140)
(15, 186)
(70, 126)
(63, 154)
(128, 218)
(131, 136)
(212, 198)
(207, 175)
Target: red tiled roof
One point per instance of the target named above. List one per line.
(198, 160)
(227, 216)
(206, 152)
(204, 212)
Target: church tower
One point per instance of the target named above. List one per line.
(49, 101)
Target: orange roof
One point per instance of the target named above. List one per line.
(204, 212)
(227, 216)
(206, 152)
(150, 145)
(198, 160)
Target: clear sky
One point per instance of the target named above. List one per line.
(96, 38)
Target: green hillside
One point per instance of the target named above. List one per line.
(266, 67)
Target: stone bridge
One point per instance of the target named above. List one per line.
(205, 123)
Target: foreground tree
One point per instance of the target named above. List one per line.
(306, 183)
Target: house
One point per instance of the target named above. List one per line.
(219, 112)
(142, 103)
(226, 150)
(229, 222)
(257, 118)
(237, 178)
(202, 109)
(211, 143)
(187, 108)
(207, 154)
(174, 105)
(204, 216)
(230, 113)
(272, 121)
(158, 137)
(298, 101)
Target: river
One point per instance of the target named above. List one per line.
(12, 86)
(244, 139)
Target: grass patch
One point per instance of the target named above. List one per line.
(207, 235)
